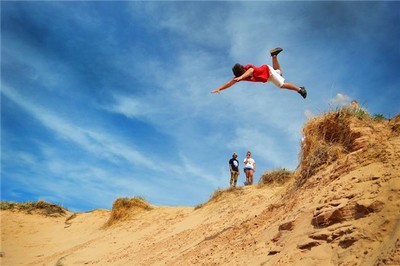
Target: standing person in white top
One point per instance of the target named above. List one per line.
(249, 168)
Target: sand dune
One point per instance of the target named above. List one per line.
(346, 213)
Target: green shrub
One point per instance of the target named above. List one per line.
(379, 117)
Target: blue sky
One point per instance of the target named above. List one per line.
(101, 100)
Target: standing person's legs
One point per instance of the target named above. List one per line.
(235, 178)
(247, 171)
(251, 176)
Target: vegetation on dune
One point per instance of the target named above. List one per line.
(123, 208)
(41, 207)
(219, 194)
(330, 136)
(278, 176)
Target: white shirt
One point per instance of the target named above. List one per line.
(250, 163)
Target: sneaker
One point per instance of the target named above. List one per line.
(275, 51)
(303, 92)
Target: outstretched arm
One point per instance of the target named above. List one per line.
(225, 86)
(249, 72)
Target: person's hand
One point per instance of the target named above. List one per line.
(237, 79)
(216, 91)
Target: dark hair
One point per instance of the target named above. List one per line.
(238, 70)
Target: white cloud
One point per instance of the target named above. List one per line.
(186, 20)
(340, 100)
(309, 114)
(193, 170)
(129, 106)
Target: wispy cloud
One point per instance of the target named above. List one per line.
(92, 140)
(340, 100)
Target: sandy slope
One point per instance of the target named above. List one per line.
(346, 214)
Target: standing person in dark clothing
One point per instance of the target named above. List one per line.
(234, 169)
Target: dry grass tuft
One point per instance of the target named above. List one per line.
(277, 176)
(219, 194)
(123, 208)
(395, 125)
(39, 207)
(327, 138)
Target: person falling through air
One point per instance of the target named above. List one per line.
(264, 73)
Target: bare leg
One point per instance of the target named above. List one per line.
(275, 63)
(251, 177)
(290, 86)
